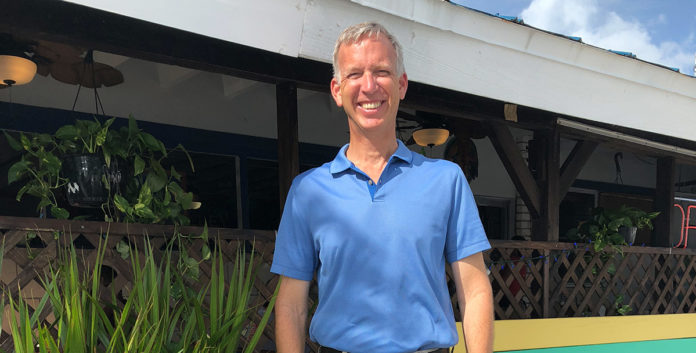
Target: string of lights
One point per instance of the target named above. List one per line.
(528, 261)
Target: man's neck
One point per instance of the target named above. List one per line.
(371, 155)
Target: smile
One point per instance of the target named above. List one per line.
(371, 105)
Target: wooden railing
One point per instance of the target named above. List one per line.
(32, 245)
(547, 280)
(529, 279)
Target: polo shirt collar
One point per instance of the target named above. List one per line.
(341, 162)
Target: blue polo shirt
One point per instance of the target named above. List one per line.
(379, 250)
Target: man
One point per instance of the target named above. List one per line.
(377, 225)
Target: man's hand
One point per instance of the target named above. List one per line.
(476, 302)
(291, 315)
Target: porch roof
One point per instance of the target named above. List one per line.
(456, 48)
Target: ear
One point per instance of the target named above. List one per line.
(403, 85)
(336, 92)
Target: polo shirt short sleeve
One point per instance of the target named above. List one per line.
(379, 250)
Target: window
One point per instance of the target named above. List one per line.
(495, 216)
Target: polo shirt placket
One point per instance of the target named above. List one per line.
(374, 187)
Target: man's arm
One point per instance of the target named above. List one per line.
(475, 301)
(291, 315)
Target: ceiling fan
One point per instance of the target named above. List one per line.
(65, 63)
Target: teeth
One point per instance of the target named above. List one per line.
(371, 105)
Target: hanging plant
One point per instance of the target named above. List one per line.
(135, 187)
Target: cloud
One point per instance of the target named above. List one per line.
(607, 29)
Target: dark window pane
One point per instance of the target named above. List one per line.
(214, 184)
(494, 220)
(264, 190)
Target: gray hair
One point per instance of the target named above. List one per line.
(356, 33)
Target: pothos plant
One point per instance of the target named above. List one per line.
(151, 194)
(39, 167)
(603, 227)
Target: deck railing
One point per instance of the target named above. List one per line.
(529, 279)
(547, 280)
(32, 245)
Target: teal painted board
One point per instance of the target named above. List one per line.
(676, 345)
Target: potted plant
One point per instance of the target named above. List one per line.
(119, 170)
(608, 227)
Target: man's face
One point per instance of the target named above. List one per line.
(370, 89)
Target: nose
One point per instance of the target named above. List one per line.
(369, 84)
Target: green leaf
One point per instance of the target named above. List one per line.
(138, 165)
(100, 138)
(156, 181)
(26, 143)
(192, 267)
(44, 139)
(51, 162)
(144, 212)
(186, 201)
(132, 126)
(123, 249)
(17, 170)
(174, 173)
(205, 252)
(152, 143)
(12, 141)
(615, 224)
(121, 203)
(175, 189)
(22, 191)
(107, 158)
(145, 195)
(59, 213)
(43, 203)
(67, 132)
(167, 198)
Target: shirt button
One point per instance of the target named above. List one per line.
(369, 182)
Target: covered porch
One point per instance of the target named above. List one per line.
(548, 116)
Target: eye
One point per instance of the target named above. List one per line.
(353, 75)
(382, 73)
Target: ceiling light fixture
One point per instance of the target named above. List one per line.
(16, 70)
(430, 136)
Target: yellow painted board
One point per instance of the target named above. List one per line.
(563, 332)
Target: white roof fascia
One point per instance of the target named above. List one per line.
(270, 25)
(453, 47)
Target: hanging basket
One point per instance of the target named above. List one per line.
(85, 173)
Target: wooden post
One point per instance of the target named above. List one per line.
(664, 201)
(288, 142)
(545, 227)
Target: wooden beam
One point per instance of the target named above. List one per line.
(288, 142)
(551, 192)
(516, 167)
(546, 154)
(664, 201)
(573, 164)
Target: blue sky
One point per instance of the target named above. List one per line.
(659, 31)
